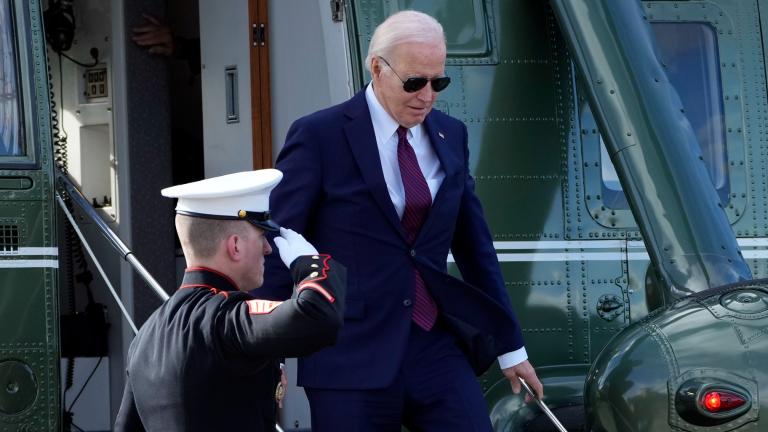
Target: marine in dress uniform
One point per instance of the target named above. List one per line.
(206, 359)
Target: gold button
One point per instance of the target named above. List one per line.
(313, 274)
(314, 266)
(315, 257)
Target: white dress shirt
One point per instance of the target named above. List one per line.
(385, 129)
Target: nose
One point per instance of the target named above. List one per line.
(267, 248)
(426, 94)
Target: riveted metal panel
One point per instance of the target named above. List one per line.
(544, 288)
(42, 414)
(28, 286)
(521, 206)
(605, 303)
(23, 303)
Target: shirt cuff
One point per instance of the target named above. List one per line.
(512, 358)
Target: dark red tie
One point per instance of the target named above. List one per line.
(418, 200)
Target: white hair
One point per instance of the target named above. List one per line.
(403, 27)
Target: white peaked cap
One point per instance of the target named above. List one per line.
(243, 195)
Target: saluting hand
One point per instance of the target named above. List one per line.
(292, 245)
(525, 371)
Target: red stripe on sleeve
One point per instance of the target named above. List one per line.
(262, 307)
(315, 287)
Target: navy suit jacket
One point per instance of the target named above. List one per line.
(334, 193)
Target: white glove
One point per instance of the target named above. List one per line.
(292, 245)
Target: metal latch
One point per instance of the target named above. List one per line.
(337, 10)
(609, 306)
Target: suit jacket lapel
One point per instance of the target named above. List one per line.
(445, 147)
(362, 141)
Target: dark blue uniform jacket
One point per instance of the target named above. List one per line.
(206, 359)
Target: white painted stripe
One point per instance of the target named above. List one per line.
(568, 256)
(600, 244)
(559, 244)
(49, 251)
(754, 254)
(753, 242)
(638, 256)
(32, 251)
(28, 263)
(568, 244)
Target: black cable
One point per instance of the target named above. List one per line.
(59, 139)
(70, 375)
(76, 426)
(85, 384)
(60, 159)
(94, 55)
(61, 93)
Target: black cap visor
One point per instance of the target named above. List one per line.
(258, 219)
(267, 225)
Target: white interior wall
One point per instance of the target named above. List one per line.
(309, 69)
(224, 41)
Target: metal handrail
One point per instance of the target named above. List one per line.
(555, 421)
(77, 198)
(96, 262)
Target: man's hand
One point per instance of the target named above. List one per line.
(292, 245)
(155, 35)
(525, 371)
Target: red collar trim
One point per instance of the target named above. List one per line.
(208, 269)
(215, 291)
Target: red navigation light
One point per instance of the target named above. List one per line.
(722, 400)
(712, 401)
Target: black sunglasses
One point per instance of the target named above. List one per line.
(415, 84)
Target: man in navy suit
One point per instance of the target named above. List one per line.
(382, 183)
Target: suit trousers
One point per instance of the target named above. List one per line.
(434, 390)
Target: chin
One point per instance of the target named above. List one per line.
(419, 118)
(413, 121)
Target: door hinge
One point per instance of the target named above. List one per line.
(258, 34)
(337, 10)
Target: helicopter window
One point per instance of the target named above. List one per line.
(11, 143)
(690, 52)
(468, 26)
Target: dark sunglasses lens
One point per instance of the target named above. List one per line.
(439, 84)
(414, 84)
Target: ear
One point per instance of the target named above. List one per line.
(234, 246)
(375, 66)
